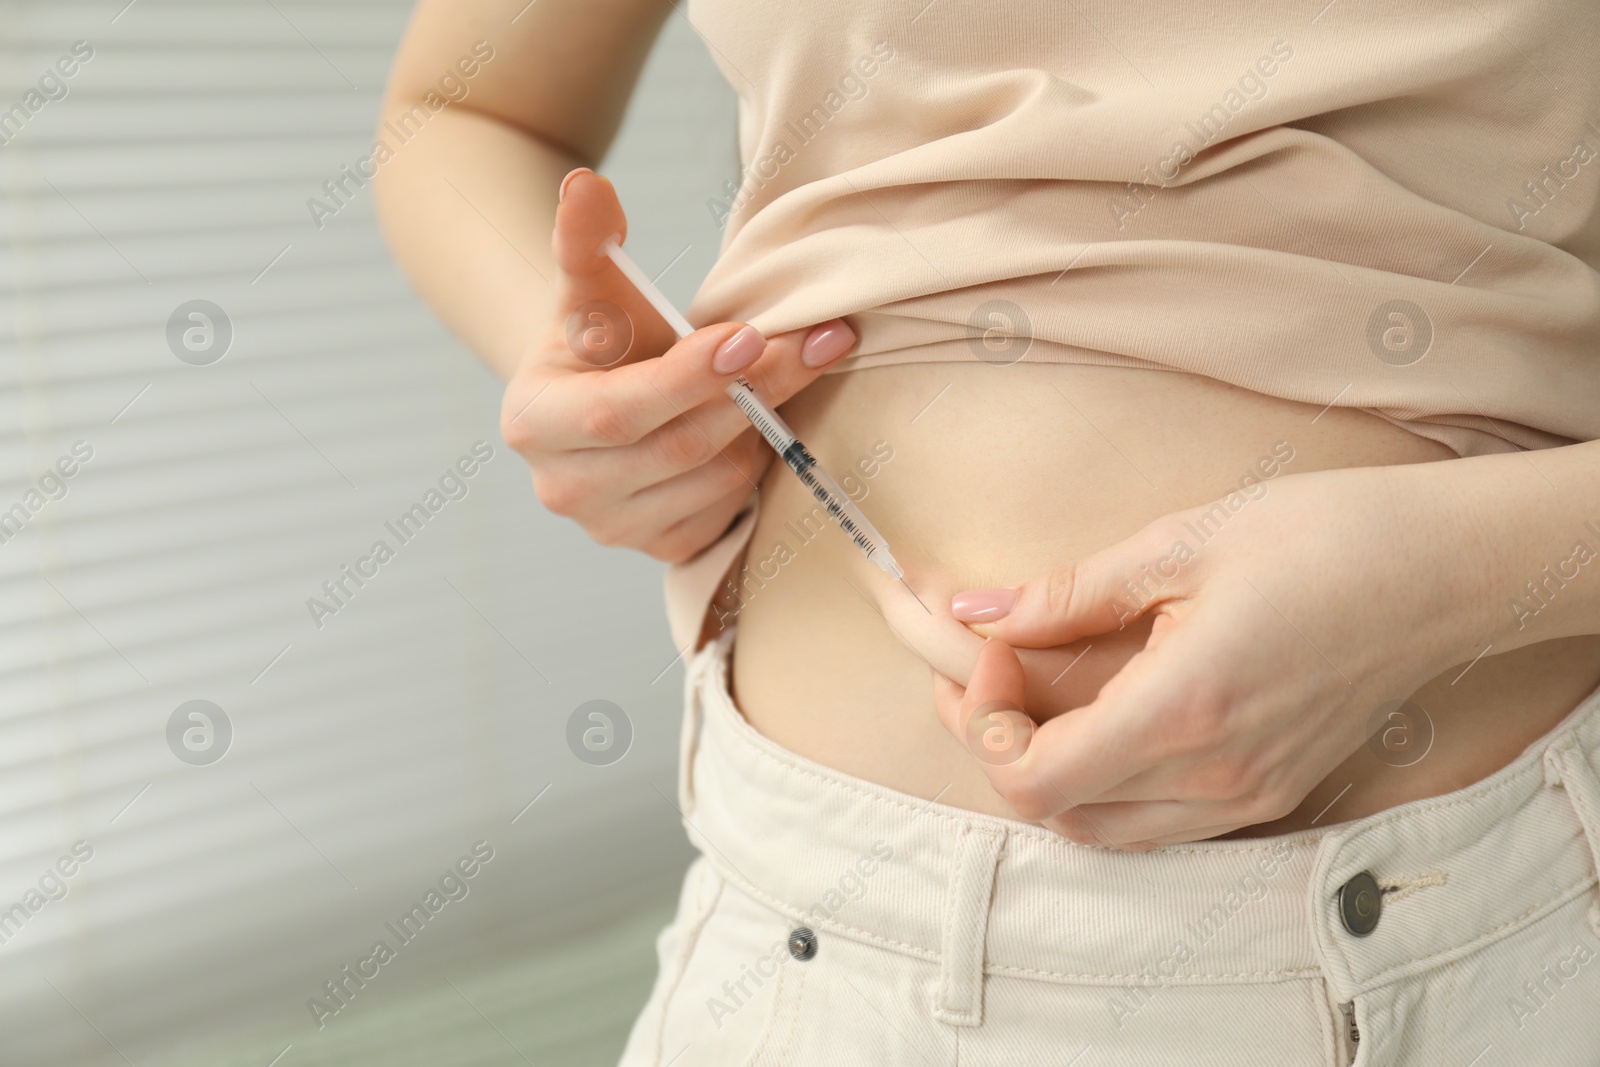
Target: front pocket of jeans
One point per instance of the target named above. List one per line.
(777, 1040)
(738, 988)
(676, 947)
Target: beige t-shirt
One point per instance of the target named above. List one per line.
(1390, 207)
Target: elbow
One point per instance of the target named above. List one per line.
(396, 117)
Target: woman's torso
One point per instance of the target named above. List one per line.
(1214, 222)
(983, 475)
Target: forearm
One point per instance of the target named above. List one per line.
(468, 203)
(1529, 550)
(468, 207)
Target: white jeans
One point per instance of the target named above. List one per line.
(939, 936)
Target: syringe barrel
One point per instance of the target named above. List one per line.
(833, 497)
(815, 477)
(766, 421)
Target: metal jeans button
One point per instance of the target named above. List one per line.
(802, 943)
(1360, 904)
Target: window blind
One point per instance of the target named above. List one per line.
(248, 403)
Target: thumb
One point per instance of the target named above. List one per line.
(1101, 594)
(997, 675)
(616, 322)
(588, 213)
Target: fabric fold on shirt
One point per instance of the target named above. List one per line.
(1395, 210)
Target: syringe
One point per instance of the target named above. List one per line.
(771, 427)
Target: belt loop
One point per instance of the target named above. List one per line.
(1566, 765)
(975, 854)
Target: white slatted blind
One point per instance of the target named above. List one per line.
(368, 755)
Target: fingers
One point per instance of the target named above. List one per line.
(589, 212)
(918, 619)
(626, 404)
(947, 696)
(685, 465)
(684, 539)
(1152, 760)
(987, 718)
(1082, 756)
(1101, 594)
(639, 445)
(1007, 747)
(611, 373)
(628, 429)
(623, 405)
(604, 319)
(996, 676)
(638, 519)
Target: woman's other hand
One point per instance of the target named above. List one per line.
(628, 430)
(1280, 623)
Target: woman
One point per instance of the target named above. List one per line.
(1229, 389)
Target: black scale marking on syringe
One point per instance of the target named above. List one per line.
(769, 431)
(801, 461)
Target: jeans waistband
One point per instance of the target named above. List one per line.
(985, 895)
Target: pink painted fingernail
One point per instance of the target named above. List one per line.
(827, 343)
(571, 174)
(739, 351)
(983, 605)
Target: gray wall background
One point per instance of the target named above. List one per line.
(174, 565)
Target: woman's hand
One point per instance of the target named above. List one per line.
(628, 430)
(1280, 624)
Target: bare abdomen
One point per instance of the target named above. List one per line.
(1009, 471)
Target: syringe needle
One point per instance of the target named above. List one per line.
(914, 595)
